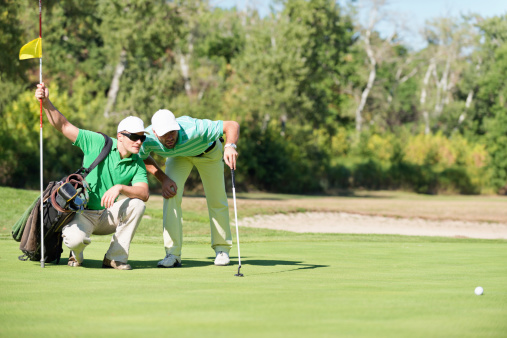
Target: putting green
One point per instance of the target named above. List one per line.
(303, 286)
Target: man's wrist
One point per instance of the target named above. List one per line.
(163, 177)
(232, 145)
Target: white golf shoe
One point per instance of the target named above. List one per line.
(222, 258)
(170, 261)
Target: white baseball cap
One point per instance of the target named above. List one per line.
(163, 121)
(132, 125)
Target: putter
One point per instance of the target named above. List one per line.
(236, 219)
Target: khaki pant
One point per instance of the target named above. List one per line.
(211, 170)
(121, 220)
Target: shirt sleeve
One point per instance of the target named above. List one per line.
(144, 151)
(143, 154)
(211, 130)
(140, 175)
(89, 141)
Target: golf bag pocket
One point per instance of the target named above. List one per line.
(53, 221)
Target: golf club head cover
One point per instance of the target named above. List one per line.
(77, 204)
(67, 192)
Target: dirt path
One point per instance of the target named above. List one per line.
(341, 222)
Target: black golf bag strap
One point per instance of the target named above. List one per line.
(103, 154)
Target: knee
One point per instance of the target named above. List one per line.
(74, 238)
(217, 199)
(133, 208)
(219, 205)
(137, 205)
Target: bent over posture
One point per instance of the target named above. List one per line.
(187, 142)
(121, 172)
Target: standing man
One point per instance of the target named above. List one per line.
(121, 172)
(187, 142)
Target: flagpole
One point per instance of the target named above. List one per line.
(42, 251)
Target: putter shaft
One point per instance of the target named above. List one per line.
(236, 220)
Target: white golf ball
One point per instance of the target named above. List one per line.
(479, 290)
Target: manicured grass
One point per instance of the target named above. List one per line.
(295, 285)
(383, 286)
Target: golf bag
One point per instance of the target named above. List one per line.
(61, 201)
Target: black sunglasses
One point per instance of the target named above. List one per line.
(135, 137)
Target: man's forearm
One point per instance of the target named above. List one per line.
(231, 131)
(59, 122)
(55, 118)
(153, 168)
(139, 191)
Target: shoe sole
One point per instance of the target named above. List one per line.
(221, 264)
(104, 266)
(175, 265)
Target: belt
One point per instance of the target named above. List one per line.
(210, 148)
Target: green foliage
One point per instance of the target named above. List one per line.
(422, 163)
(20, 158)
(11, 41)
(292, 79)
(220, 36)
(267, 161)
(491, 115)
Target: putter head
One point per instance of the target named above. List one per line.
(239, 274)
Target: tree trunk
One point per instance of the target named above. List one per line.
(469, 99)
(364, 96)
(442, 88)
(422, 99)
(184, 65)
(373, 72)
(115, 84)
(468, 103)
(185, 72)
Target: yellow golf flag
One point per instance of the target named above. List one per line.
(31, 50)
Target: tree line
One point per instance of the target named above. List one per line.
(324, 102)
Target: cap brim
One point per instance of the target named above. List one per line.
(133, 132)
(163, 131)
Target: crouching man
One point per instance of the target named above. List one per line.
(121, 172)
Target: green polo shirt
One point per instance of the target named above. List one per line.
(194, 137)
(111, 171)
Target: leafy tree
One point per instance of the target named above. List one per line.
(490, 117)
(294, 79)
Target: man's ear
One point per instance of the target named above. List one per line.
(154, 132)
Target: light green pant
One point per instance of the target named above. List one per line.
(211, 169)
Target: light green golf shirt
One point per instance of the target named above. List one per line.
(194, 137)
(111, 171)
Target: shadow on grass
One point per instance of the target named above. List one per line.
(185, 263)
(151, 264)
(97, 264)
(293, 265)
(192, 263)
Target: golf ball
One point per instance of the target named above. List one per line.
(479, 290)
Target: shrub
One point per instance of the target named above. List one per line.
(426, 164)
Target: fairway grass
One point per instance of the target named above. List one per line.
(364, 286)
(295, 284)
